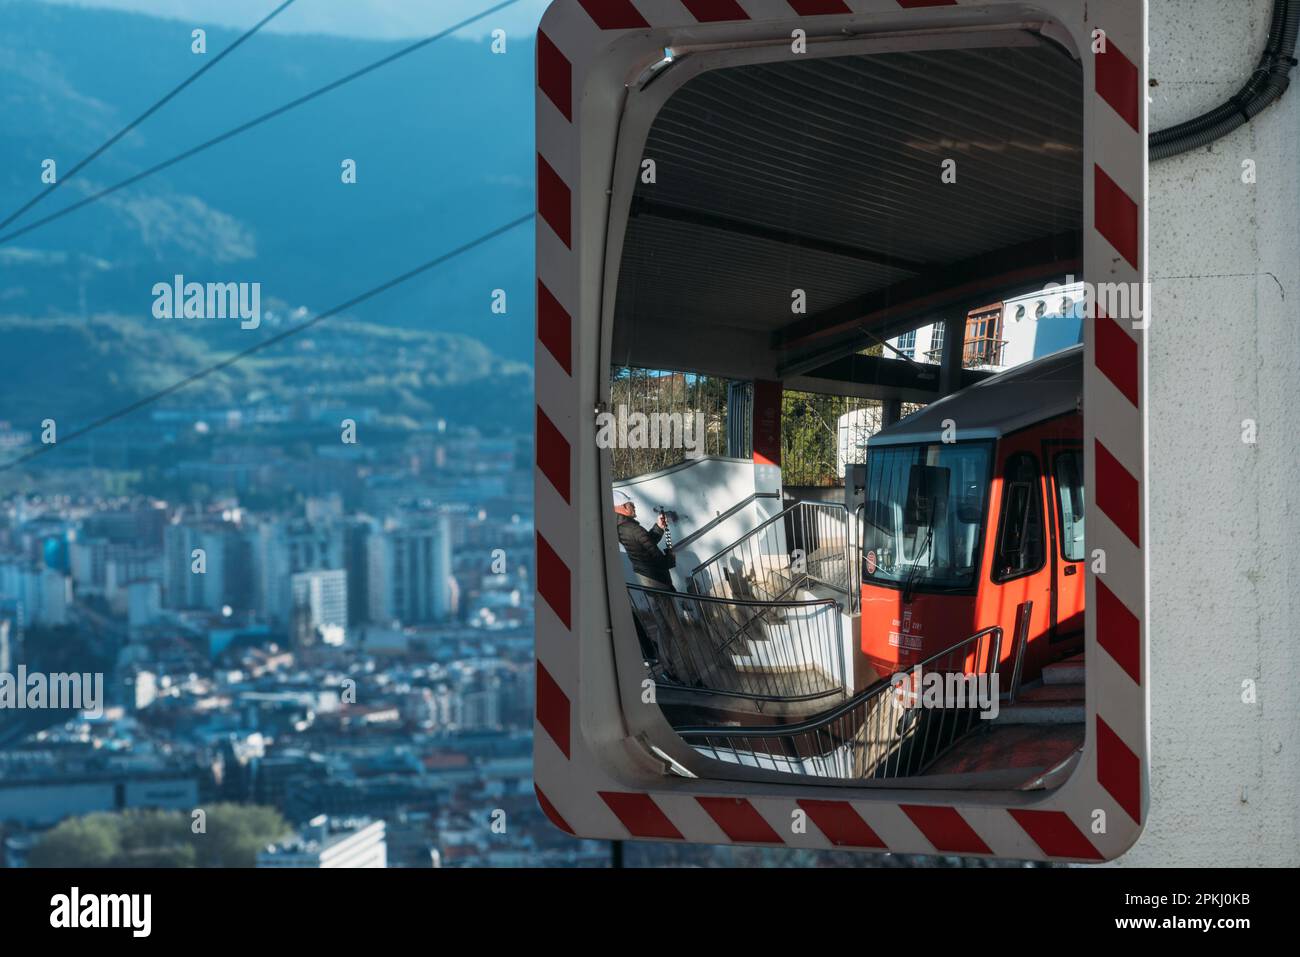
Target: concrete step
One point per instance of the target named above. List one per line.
(1054, 693)
(1067, 672)
(1040, 712)
(1045, 704)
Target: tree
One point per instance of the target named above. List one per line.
(232, 836)
(178, 855)
(236, 832)
(809, 438)
(92, 841)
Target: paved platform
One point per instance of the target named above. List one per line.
(1033, 749)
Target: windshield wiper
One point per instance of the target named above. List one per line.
(925, 546)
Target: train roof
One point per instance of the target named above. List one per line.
(1001, 404)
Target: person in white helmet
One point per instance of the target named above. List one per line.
(649, 563)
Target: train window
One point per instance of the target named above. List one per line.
(1069, 500)
(1020, 531)
(925, 505)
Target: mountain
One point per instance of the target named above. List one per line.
(442, 140)
(107, 362)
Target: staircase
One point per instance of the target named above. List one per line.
(870, 735)
(1057, 698)
(1033, 743)
(742, 658)
(761, 628)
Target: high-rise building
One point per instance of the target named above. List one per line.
(194, 561)
(320, 605)
(144, 601)
(126, 566)
(142, 524)
(356, 558)
(216, 547)
(37, 596)
(88, 558)
(409, 568)
(280, 549)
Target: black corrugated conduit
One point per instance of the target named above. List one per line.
(1264, 88)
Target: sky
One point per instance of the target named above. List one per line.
(369, 19)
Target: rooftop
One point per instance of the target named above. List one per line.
(1005, 403)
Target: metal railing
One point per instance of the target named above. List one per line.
(809, 542)
(858, 529)
(984, 350)
(1023, 615)
(875, 734)
(710, 525)
(762, 651)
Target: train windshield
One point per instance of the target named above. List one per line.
(924, 512)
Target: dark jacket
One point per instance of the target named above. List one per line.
(642, 548)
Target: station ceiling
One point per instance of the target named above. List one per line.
(826, 175)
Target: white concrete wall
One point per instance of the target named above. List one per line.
(1225, 536)
(699, 492)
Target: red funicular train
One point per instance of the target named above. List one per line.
(972, 516)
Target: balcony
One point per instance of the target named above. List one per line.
(984, 351)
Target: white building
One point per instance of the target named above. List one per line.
(127, 566)
(331, 842)
(998, 337)
(283, 548)
(322, 597)
(1006, 334)
(854, 428)
(143, 688)
(922, 345)
(1038, 324)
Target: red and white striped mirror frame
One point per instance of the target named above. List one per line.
(582, 784)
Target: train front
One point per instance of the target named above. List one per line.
(924, 514)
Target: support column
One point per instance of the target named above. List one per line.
(891, 410)
(954, 345)
(767, 436)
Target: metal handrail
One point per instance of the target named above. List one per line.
(857, 555)
(691, 596)
(1021, 639)
(863, 737)
(758, 567)
(848, 705)
(773, 651)
(729, 513)
(749, 534)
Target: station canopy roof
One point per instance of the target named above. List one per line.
(826, 175)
